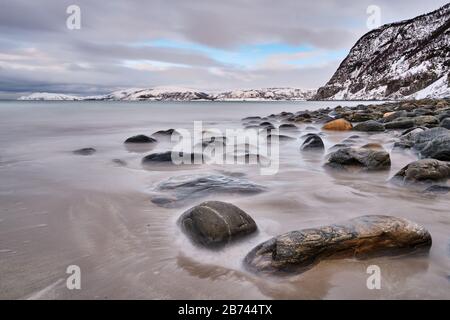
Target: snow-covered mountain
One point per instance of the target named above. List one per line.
(50, 96)
(403, 60)
(267, 94)
(184, 94)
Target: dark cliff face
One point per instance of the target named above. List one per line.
(407, 59)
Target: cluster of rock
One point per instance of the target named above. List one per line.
(421, 126)
(214, 224)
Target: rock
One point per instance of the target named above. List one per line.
(438, 148)
(165, 133)
(437, 189)
(119, 162)
(279, 137)
(166, 157)
(253, 118)
(426, 121)
(418, 137)
(391, 116)
(373, 146)
(421, 139)
(338, 125)
(84, 151)
(338, 146)
(266, 124)
(369, 126)
(367, 159)
(423, 171)
(288, 126)
(443, 115)
(213, 224)
(140, 139)
(362, 116)
(445, 123)
(400, 123)
(313, 142)
(189, 187)
(362, 237)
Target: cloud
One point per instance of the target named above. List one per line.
(207, 44)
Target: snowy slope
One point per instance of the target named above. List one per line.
(407, 59)
(50, 96)
(268, 94)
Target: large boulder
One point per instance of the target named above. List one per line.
(362, 237)
(365, 158)
(213, 224)
(423, 171)
(368, 126)
(438, 148)
(419, 137)
(178, 190)
(312, 142)
(338, 125)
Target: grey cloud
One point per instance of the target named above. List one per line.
(92, 58)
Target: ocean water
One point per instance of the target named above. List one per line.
(59, 209)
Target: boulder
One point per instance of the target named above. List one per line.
(166, 157)
(178, 190)
(313, 142)
(426, 121)
(165, 133)
(85, 151)
(391, 116)
(368, 126)
(400, 123)
(445, 123)
(213, 224)
(288, 126)
(423, 171)
(140, 139)
(338, 125)
(362, 237)
(438, 148)
(364, 158)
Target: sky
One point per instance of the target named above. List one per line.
(207, 45)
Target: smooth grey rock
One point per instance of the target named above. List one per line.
(213, 224)
(369, 126)
(140, 139)
(438, 148)
(366, 159)
(179, 189)
(313, 142)
(85, 151)
(423, 171)
(362, 237)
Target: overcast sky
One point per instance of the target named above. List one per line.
(202, 44)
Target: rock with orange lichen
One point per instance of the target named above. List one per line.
(338, 125)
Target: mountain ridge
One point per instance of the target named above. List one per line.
(181, 94)
(416, 50)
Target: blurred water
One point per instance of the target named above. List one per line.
(58, 209)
